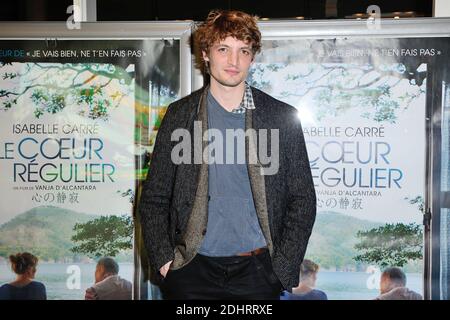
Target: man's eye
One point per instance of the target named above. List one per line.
(222, 49)
(246, 52)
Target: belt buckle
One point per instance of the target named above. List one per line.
(255, 252)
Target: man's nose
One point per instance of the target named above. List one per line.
(233, 58)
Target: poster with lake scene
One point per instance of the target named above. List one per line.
(362, 106)
(75, 122)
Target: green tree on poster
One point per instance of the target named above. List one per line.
(104, 236)
(336, 88)
(390, 245)
(52, 87)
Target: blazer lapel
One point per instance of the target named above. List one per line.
(193, 235)
(257, 181)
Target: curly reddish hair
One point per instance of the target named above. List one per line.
(221, 24)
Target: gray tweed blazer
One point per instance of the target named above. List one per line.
(173, 205)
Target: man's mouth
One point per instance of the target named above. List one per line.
(232, 72)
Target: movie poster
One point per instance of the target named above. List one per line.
(362, 105)
(74, 128)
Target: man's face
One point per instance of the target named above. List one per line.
(229, 61)
(385, 283)
(99, 273)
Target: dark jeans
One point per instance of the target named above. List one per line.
(223, 278)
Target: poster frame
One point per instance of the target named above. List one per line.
(392, 28)
(51, 32)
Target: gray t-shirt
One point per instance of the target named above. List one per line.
(233, 225)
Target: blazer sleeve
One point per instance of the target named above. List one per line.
(156, 196)
(301, 196)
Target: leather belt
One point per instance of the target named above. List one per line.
(252, 253)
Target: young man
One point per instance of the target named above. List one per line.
(222, 220)
(305, 289)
